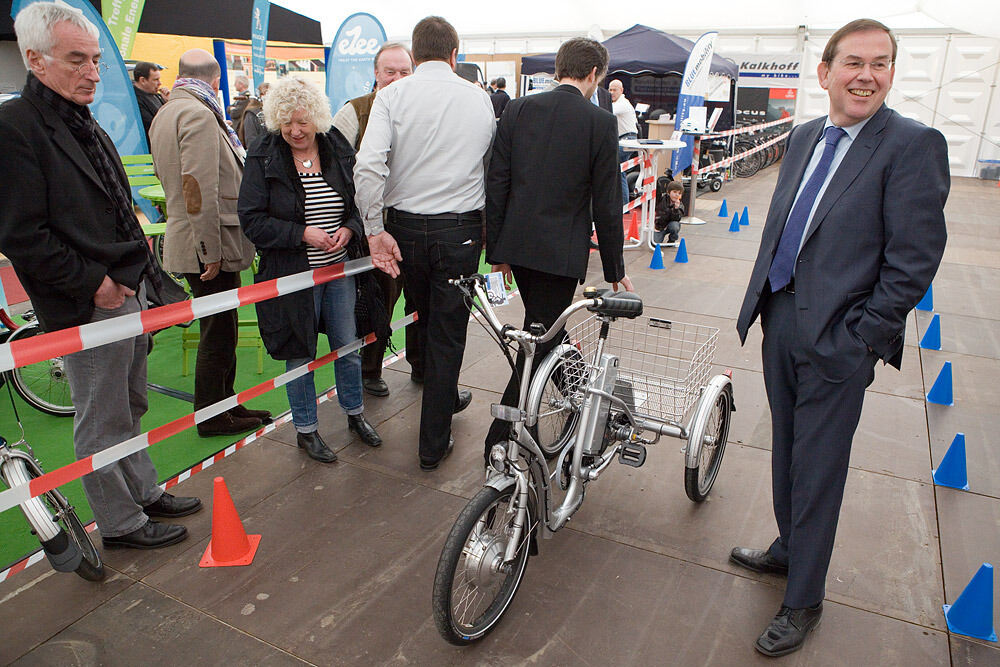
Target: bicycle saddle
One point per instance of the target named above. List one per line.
(615, 304)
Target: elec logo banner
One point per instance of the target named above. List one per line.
(350, 67)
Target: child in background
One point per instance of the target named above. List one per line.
(669, 211)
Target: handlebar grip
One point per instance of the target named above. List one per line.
(618, 304)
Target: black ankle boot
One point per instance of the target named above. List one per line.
(315, 447)
(364, 429)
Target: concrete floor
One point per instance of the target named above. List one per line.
(347, 561)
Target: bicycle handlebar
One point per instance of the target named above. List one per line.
(606, 303)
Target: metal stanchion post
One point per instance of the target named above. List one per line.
(690, 218)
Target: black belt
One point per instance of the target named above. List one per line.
(468, 216)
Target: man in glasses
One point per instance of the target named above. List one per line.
(853, 237)
(68, 227)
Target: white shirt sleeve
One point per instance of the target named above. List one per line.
(346, 120)
(371, 169)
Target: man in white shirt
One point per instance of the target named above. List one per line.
(628, 128)
(423, 162)
(392, 62)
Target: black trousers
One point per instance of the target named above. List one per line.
(434, 249)
(812, 426)
(215, 367)
(545, 297)
(373, 353)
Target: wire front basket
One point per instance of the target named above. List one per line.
(663, 365)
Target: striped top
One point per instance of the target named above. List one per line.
(324, 209)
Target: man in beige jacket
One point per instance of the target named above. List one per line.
(199, 161)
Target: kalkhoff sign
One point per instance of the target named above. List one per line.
(350, 66)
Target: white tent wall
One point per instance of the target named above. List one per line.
(944, 78)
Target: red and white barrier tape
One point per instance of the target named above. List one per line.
(747, 129)
(648, 194)
(95, 334)
(50, 480)
(736, 158)
(39, 555)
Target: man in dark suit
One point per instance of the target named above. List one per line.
(68, 227)
(853, 238)
(555, 156)
(146, 78)
(499, 98)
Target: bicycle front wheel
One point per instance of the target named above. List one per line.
(472, 589)
(54, 521)
(43, 385)
(557, 405)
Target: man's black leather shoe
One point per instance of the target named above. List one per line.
(364, 429)
(464, 398)
(758, 560)
(243, 412)
(315, 447)
(375, 387)
(787, 631)
(172, 506)
(151, 536)
(227, 424)
(428, 466)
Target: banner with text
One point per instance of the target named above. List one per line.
(122, 18)
(258, 40)
(114, 104)
(693, 86)
(769, 86)
(350, 67)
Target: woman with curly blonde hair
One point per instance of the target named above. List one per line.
(297, 207)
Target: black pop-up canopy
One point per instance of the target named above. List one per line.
(640, 49)
(221, 19)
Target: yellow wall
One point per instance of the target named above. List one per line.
(166, 50)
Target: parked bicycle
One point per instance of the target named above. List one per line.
(43, 385)
(52, 518)
(605, 393)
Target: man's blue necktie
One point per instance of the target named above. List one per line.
(788, 247)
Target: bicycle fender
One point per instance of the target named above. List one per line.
(716, 385)
(538, 383)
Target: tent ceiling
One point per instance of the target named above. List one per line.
(223, 19)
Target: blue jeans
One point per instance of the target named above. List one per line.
(622, 156)
(334, 302)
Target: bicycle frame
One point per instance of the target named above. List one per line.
(597, 396)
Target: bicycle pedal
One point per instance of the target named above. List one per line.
(632, 454)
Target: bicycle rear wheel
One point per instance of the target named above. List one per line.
(54, 521)
(471, 590)
(709, 432)
(43, 385)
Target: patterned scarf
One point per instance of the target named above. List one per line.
(84, 129)
(204, 92)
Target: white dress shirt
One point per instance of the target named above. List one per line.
(425, 147)
(838, 156)
(625, 114)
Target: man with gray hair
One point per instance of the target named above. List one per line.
(68, 227)
(199, 160)
(241, 84)
(392, 62)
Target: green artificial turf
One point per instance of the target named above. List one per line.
(52, 437)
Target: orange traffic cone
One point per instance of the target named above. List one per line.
(633, 227)
(230, 544)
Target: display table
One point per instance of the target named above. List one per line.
(649, 174)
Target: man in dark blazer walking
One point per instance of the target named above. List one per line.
(555, 159)
(853, 238)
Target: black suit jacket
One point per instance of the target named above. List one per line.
(57, 220)
(554, 155)
(499, 99)
(149, 104)
(872, 248)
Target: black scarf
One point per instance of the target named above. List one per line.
(84, 129)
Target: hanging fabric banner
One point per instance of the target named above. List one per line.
(693, 87)
(114, 104)
(122, 18)
(350, 67)
(258, 40)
